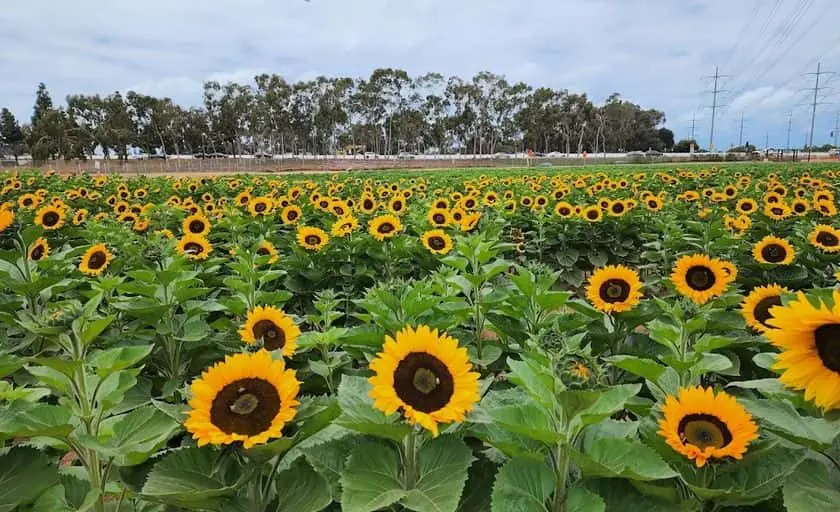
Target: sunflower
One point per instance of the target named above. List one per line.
(266, 248)
(800, 206)
(384, 227)
(39, 249)
(777, 211)
(809, 337)
(756, 306)
(592, 213)
(699, 277)
(95, 260)
(28, 201)
(367, 205)
(49, 217)
(617, 208)
(291, 214)
(439, 217)
(273, 327)
(653, 203)
(470, 221)
(344, 226)
(729, 269)
(437, 241)
(7, 217)
(746, 206)
(702, 425)
(247, 398)
(773, 250)
(313, 239)
(614, 288)
(825, 238)
(196, 225)
(564, 210)
(826, 208)
(426, 376)
(194, 247)
(260, 206)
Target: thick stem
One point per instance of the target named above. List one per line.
(410, 459)
(561, 472)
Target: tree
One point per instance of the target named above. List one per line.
(684, 146)
(666, 136)
(11, 135)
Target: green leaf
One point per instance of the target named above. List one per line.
(782, 419)
(371, 479)
(24, 474)
(523, 485)
(765, 360)
(588, 407)
(24, 419)
(52, 378)
(529, 419)
(301, 489)
(358, 413)
(9, 364)
(579, 499)
(809, 489)
(194, 478)
(620, 495)
(536, 379)
(113, 388)
(119, 358)
(663, 333)
(481, 476)
(93, 329)
(137, 436)
(709, 343)
(622, 458)
(442, 465)
(645, 368)
(330, 458)
(710, 363)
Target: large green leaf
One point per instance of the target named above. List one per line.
(358, 413)
(622, 458)
(481, 476)
(194, 478)
(371, 479)
(523, 485)
(579, 499)
(330, 458)
(442, 465)
(809, 489)
(24, 474)
(24, 419)
(641, 367)
(137, 436)
(301, 489)
(620, 496)
(536, 378)
(782, 419)
(588, 407)
(119, 358)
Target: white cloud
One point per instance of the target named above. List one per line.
(654, 52)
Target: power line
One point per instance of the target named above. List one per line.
(717, 76)
(814, 105)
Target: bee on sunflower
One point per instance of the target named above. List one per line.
(808, 336)
(773, 251)
(194, 247)
(271, 326)
(312, 238)
(704, 426)
(756, 306)
(49, 217)
(40, 249)
(196, 225)
(825, 238)
(614, 289)
(426, 376)
(266, 248)
(384, 227)
(699, 277)
(95, 260)
(437, 241)
(247, 398)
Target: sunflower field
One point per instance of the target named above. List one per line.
(630, 339)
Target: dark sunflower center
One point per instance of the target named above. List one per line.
(37, 252)
(439, 218)
(324, 204)
(592, 214)
(565, 211)
(273, 336)
(617, 208)
(652, 203)
(397, 206)
(245, 406)
(292, 215)
(385, 228)
(827, 340)
(777, 211)
(424, 382)
(704, 431)
(244, 200)
(196, 226)
(457, 217)
(312, 240)
(367, 204)
(96, 260)
(799, 207)
(262, 251)
(827, 239)
(614, 290)
(259, 207)
(193, 248)
(700, 278)
(773, 253)
(762, 309)
(51, 219)
(470, 203)
(746, 207)
(437, 243)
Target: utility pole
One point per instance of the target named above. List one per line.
(837, 130)
(692, 128)
(790, 121)
(741, 131)
(766, 140)
(814, 106)
(715, 91)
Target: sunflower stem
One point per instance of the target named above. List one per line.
(410, 459)
(561, 472)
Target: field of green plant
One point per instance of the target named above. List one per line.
(625, 339)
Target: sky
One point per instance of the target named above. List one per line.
(656, 53)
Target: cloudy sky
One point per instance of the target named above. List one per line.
(654, 52)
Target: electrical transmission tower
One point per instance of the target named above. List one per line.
(790, 122)
(741, 131)
(692, 129)
(816, 90)
(715, 106)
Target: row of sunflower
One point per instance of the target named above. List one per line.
(476, 340)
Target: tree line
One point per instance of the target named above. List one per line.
(388, 112)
